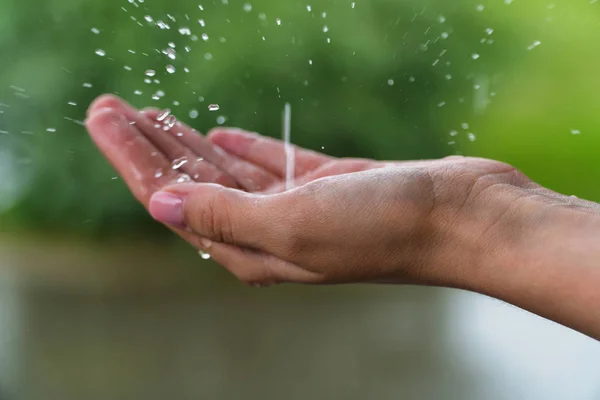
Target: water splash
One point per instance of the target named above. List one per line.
(290, 161)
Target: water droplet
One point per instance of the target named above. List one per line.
(158, 173)
(170, 52)
(204, 255)
(185, 31)
(575, 132)
(202, 23)
(150, 72)
(534, 45)
(205, 37)
(162, 25)
(170, 69)
(464, 125)
(178, 163)
(278, 21)
(148, 18)
(95, 31)
(475, 56)
(169, 122)
(214, 107)
(221, 120)
(52, 130)
(194, 114)
(184, 179)
(100, 52)
(471, 137)
(138, 92)
(163, 115)
(390, 82)
(72, 103)
(247, 7)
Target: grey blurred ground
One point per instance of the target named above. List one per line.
(135, 321)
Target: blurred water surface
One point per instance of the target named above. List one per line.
(158, 325)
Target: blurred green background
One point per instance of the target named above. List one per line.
(385, 79)
(103, 302)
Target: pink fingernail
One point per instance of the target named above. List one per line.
(167, 208)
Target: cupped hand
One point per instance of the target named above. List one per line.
(347, 220)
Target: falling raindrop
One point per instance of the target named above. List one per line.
(214, 107)
(100, 52)
(169, 122)
(163, 115)
(170, 69)
(185, 31)
(178, 163)
(150, 72)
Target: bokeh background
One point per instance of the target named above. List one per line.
(97, 301)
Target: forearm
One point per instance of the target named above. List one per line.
(547, 260)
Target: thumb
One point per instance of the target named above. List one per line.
(214, 212)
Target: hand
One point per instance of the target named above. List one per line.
(150, 158)
(459, 222)
(328, 230)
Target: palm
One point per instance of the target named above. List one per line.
(150, 158)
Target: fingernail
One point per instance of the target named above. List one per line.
(205, 243)
(167, 208)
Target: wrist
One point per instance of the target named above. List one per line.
(543, 255)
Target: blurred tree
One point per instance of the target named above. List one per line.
(382, 78)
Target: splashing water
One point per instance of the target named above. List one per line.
(290, 161)
(169, 123)
(163, 115)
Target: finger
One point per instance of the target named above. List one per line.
(144, 169)
(257, 268)
(249, 176)
(142, 166)
(222, 215)
(181, 157)
(266, 152)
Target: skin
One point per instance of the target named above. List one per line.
(467, 223)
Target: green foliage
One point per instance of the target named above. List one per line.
(388, 79)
